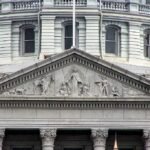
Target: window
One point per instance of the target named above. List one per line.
(112, 40)
(147, 1)
(27, 40)
(147, 43)
(68, 34)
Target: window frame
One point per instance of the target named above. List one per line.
(147, 44)
(22, 40)
(67, 37)
(147, 2)
(117, 40)
(66, 23)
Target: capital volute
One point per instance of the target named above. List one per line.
(146, 134)
(146, 137)
(99, 133)
(2, 133)
(48, 133)
(99, 136)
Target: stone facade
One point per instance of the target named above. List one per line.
(74, 99)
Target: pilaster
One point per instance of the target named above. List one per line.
(47, 37)
(92, 3)
(134, 41)
(48, 137)
(48, 3)
(92, 34)
(133, 6)
(6, 6)
(99, 137)
(6, 41)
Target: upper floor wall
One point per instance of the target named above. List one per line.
(128, 24)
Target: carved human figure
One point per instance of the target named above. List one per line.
(74, 82)
(64, 89)
(84, 89)
(103, 87)
(17, 91)
(43, 84)
(115, 92)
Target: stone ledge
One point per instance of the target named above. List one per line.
(75, 103)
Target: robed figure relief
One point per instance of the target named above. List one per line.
(74, 85)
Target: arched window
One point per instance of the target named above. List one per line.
(112, 40)
(68, 34)
(27, 39)
(147, 43)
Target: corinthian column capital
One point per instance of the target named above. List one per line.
(99, 136)
(146, 134)
(48, 136)
(2, 133)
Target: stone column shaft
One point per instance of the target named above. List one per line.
(2, 134)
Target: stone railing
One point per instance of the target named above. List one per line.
(68, 3)
(144, 9)
(23, 5)
(112, 5)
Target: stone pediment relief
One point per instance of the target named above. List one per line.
(74, 74)
(74, 81)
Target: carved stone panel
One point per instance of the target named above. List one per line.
(74, 81)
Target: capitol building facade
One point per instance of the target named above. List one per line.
(95, 96)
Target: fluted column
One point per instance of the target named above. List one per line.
(2, 134)
(99, 137)
(48, 137)
(146, 136)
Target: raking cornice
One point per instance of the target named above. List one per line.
(74, 56)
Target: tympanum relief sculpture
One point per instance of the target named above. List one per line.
(73, 81)
(74, 86)
(42, 85)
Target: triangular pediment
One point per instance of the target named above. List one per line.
(74, 73)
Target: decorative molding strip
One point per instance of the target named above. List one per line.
(22, 102)
(76, 57)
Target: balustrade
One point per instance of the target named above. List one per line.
(145, 9)
(68, 3)
(112, 5)
(25, 5)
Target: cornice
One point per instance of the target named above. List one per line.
(79, 57)
(74, 103)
